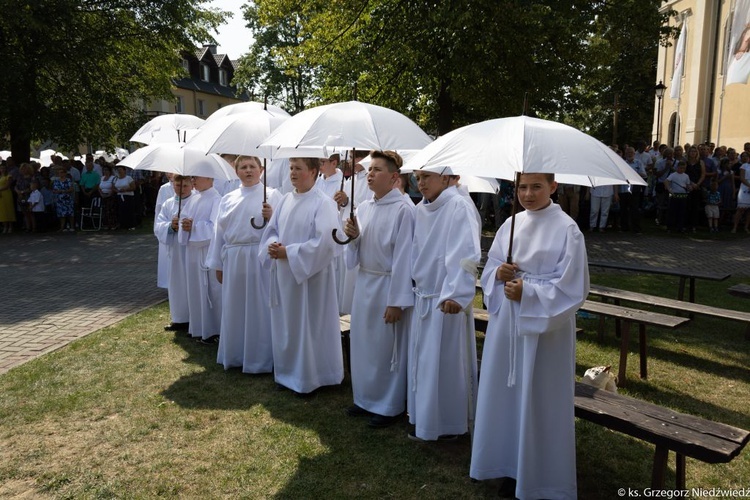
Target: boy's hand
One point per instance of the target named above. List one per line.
(450, 307)
(220, 276)
(392, 314)
(187, 224)
(267, 211)
(506, 272)
(341, 198)
(351, 229)
(514, 289)
(175, 224)
(277, 251)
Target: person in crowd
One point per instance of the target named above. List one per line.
(725, 179)
(631, 196)
(662, 169)
(124, 190)
(64, 193)
(601, 198)
(713, 202)
(36, 207)
(166, 228)
(711, 166)
(89, 184)
(696, 171)
(7, 208)
(23, 189)
(568, 197)
(380, 313)
(197, 229)
(330, 180)
(678, 186)
(445, 256)
(109, 200)
(245, 338)
(743, 198)
(525, 428)
(298, 249)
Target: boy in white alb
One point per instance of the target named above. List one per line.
(384, 297)
(298, 248)
(442, 348)
(166, 228)
(196, 232)
(245, 339)
(35, 203)
(525, 429)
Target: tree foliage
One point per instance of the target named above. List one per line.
(453, 62)
(76, 70)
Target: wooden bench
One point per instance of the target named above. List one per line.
(686, 435)
(627, 316)
(741, 290)
(683, 274)
(618, 295)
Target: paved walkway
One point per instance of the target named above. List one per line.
(61, 287)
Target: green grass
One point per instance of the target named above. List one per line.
(131, 411)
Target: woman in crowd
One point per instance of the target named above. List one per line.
(109, 201)
(696, 170)
(7, 212)
(23, 189)
(743, 198)
(124, 188)
(64, 192)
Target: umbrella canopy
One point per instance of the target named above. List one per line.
(238, 134)
(5, 154)
(346, 125)
(178, 159)
(246, 107)
(502, 147)
(170, 122)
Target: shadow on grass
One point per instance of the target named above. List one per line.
(358, 461)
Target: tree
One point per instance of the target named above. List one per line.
(76, 70)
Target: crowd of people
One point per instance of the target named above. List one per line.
(266, 272)
(688, 188)
(36, 198)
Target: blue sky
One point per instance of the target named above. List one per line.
(233, 37)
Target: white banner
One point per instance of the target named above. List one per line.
(738, 57)
(679, 63)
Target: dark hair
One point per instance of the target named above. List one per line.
(392, 159)
(310, 163)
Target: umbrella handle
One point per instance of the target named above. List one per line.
(337, 240)
(252, 223)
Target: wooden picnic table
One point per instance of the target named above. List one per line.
(682, 273)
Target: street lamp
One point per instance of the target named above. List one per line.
(659, 90)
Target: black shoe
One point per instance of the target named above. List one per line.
(381, 421)
(176, 327)
(305, 395)
(357, 411)
(214, 339)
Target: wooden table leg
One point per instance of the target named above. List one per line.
(624, 341)
(659, 471)
(692, 296)
(681, 289)
(642, 346)
(680, 471)
(618, 323)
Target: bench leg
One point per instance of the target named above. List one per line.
(659, 472)
(642, 346)
(618, 323)
(680, 472)
(681, 289)
(624, 341)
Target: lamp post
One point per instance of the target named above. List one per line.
(659, 90)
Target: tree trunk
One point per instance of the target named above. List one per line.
(20, 143)
(445, 107)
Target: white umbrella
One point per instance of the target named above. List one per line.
(237, 134)
(173, 122)
(5, 154)
(347, 125)
(178, 159)
(505, 147)
(165, 136)
(480, 184)
(246, 107)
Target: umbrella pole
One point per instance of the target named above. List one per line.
(509, 259)
(252, 219)
(351, 203)
(179, 208)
